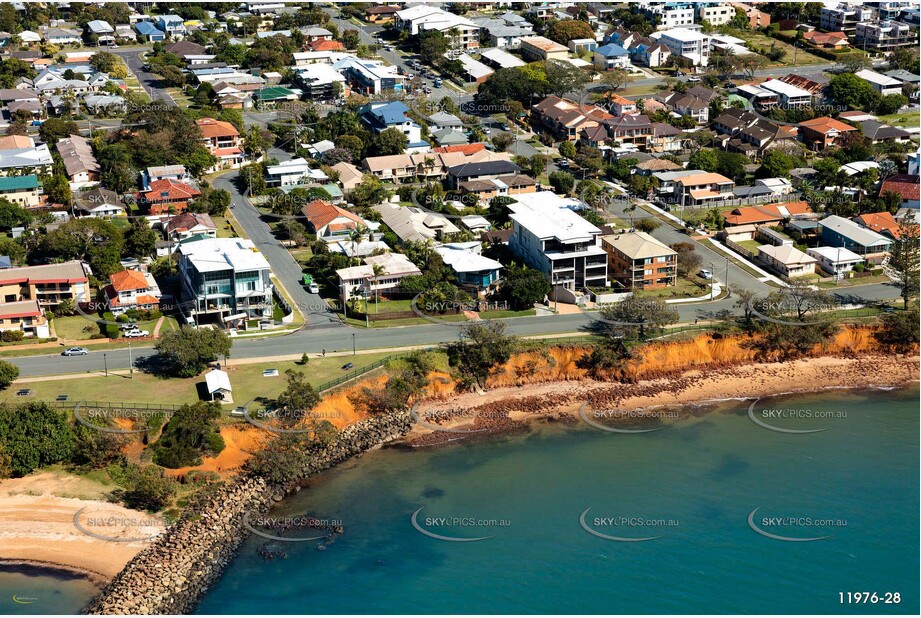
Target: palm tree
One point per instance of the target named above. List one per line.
(355, 235)
(377, 270)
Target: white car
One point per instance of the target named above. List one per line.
(136, 333)
(706, 274)
(693, 79)
(313, 288)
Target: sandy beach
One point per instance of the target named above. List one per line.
(38, 528)
(503, 408)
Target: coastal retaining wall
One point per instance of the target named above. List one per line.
(171, 575)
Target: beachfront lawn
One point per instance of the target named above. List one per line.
(760, 40)
(684, 288)
(246, 379)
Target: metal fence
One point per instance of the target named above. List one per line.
(356, 373)
(117, 405)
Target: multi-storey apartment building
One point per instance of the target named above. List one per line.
(669, 14)
(460, 32)
(49, 284)
(843, 18)
(716, 14)
(639, 261)
(691, 45)
(550, 237)
(225, 278)
(884, 36)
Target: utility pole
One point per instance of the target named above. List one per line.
(353, 345)
(728, 290)
(105, 364)
(130, 362)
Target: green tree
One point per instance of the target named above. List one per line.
(390, 141)
(151, 490)
(565, 30)
(899, 330)
(904, 258)
(647, 224)
(567, 149)
(563, 77)
(34, 435)
(299, 396)
(704, 159)
(8, 373)
(482, 348)
(432, 46)
(55, 129)
(12, 215)
(190, 433)
(890, 104)
(636, 318)
(369, 192)
(140, 240)
(848, 89)
(854, 61)
(186, 352)
(522, 287)
(794, 323)
(610, 356)
(775, 164)
(562, 182)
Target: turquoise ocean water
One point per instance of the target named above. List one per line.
(692, 485)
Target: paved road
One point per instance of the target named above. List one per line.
(284, 266)
(151, 83)
(314, 340)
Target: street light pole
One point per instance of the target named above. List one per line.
(713, 282)
(727, 277)
(353, 345)
(105, 364)
(130, 362)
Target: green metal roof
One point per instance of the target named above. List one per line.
(274, 92)
(18, 183)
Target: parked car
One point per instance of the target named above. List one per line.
(75, 352)
(706, 274)
(347, 366)
(313, 288)
(438, 82)
(128, 326)
(694, 79)
(136, 333)
(504, 127)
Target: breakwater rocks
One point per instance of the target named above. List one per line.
(172, 574)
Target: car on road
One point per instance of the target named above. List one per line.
(561, 163)
(438, 82)
(729, 85)
(75, 352)
(706, 274)
(136, 333)
(504, 127)
(313, 288)
(487, 130)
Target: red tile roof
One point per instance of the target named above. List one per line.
(765, 213)
(322, 45)
(467, 149)
(321, 213)
(904, 184)
(169, 190)
(882, 222)
(127, 280)
(216, 128)
(825, 124)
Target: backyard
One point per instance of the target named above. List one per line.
(802, 57)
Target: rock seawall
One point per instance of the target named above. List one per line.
(172, 574)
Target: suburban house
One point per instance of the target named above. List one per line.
(25, 316)
(131, 289)
(822, 133)
(349, 175)
(840, 232)
(380, 14)
(485, 190)
(226, 278)
(379, 116)
(330, 222)
(564, 119)
(835, 260)
(392, 269)
(79, 163)
(789, 96)
(905, 185)
(173, 25)
(750, 134)
(828, 40)
(49, 284)
(163, 172)
(550, 237)
(640, 262)
(538, 48)
(630, 130)
(877, 133)
(688, 105)
(24, 191)
(63, 36)
(103, 31)
(25, 161)
(223, 141)
(293, 172)
(98, 202)
(167, 195)
(766, 214)
(787, 260)
(150, 31)
(611, 56)
(483, 170)
(188, 224)
(470, 267)
(880, 222)
(701, 189)
(412, 224)
(883, 84)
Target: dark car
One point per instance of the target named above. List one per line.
(347, 366)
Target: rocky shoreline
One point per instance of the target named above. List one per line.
(172, 574)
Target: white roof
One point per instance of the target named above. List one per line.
(682, 34)
(788, 90)
(787, 254)
(26, 157)
(474, 67)
(358, 249)
(858, 166)
(395, 264)
(216, 254)
(217, 380)
(475, 221)
(502, 58)
(464, 257)
(546, 215)
(838, 255)
(320, 73)
(294, 166)
(877, 78)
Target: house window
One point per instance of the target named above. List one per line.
(9, 298)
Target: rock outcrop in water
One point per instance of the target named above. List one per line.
(172, 574)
